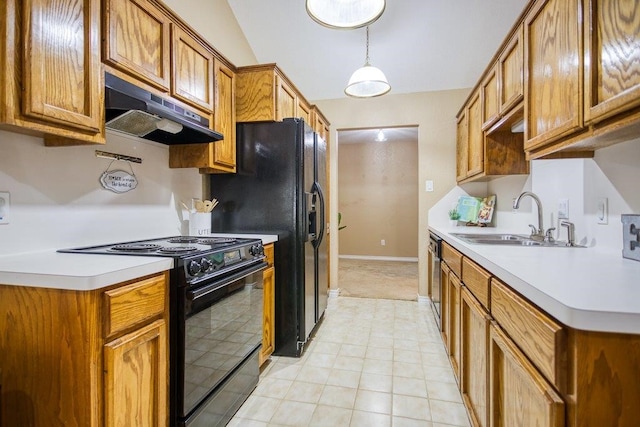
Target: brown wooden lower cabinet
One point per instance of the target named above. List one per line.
(474, 349)
(85, 358)
(519, 394)
(269, 305)
(453, 343)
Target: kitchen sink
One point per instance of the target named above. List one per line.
(508, 240)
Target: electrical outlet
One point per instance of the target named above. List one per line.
(602, 211)
(563, 209)
(383, 242)
(5, 207)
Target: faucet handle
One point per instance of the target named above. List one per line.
(534, 230)
(548, 235)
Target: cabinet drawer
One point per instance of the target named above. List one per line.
(541, 339)
(269, 253)
(453, 258)
(477, 279)
(134, 303)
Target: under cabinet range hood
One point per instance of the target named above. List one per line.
(138, 112)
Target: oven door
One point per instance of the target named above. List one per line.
(222, 324)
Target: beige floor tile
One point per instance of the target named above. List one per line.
(375, 382)
(411, 407)
(411, 370)
(245, 422)
(369, 419)
(293, 414)
(344, 378)
(313, 374)
(329, 416)
(321, 360)
(373, 401)
(407, 356)
(443, 375)
(444, 391)
(408, 422)
(379, 353)
(259, 408)
(304, 392)
(349, 363)
(449, 413)
(342, 397)
(373, 366)
(326, 348)
(272, 387)
(435, 360)
(352, 350)
(410, 386)
(284, 371)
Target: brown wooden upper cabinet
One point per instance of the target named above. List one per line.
(192, 77)
(612, 58)
(320, 123)
(489, 95)
(470, 139)
(71, 111)
(511, 72)
(137, 41)
(553, 87)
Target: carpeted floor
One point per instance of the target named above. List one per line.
(378, 279)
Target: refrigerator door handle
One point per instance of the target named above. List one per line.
(320, 233)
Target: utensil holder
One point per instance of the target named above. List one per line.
(199, 223)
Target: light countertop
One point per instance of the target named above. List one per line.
(85, 272)
(584, 288)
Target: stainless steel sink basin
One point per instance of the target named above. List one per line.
(507, 240)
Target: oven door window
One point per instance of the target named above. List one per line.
(225, 329)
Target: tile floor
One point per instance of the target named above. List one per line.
(372, 362)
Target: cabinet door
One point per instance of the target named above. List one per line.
(553, 93)
(475, 156)
(137, 41)
(490, 108)
(268, 316)
(453, 339)
(462, 146)
(612, 58)
(135, 378)
(192, 71)
(444, 302)
(304, 111)
(474, 350)
(61, 70)
(510, 73)
(286, 100)
(519, 395)
(225, 118)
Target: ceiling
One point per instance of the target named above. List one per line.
(421, 45)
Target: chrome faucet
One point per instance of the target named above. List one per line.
(536, 233)
(571, 232)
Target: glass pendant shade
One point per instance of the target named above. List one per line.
(367, 82)
(345, 14)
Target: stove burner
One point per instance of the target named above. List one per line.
(183, 240)
(216, 240)
(135, 247)
(177, 250)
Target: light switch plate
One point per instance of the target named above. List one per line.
(602, 211)
(563, 209)
(429, 185)
(5, 207)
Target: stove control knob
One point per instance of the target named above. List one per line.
(257, 250)
(194, 267)
(205, 265)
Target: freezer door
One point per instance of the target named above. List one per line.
(310, 198)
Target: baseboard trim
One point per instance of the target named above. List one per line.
(379, 258)
(423, 300)
(334, 293)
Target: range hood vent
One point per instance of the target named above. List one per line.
(135, 111)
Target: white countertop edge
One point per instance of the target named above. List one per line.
(566, 312)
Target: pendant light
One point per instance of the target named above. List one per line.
(345, 14)
(367, 81)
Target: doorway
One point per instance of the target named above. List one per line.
(378, 205)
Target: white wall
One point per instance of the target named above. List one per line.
(57, 200)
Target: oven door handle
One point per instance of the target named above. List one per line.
(203, 291)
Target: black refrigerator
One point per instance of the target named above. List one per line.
(279, 189)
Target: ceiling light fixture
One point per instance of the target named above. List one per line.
(380, 137)
(367, 81)
(345, 14)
